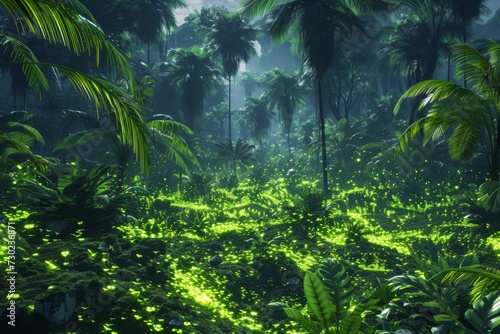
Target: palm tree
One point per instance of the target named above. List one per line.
(250, 81)
(464, 12)
(420, 39)
(257, 116)
(239, 154)
(284, 91)
(473, 115)
(195, 76)
(152, 17)
(319, 26)
(71, 25)
(232, 40)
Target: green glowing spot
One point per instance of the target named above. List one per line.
(65, 253)
(150, 309)
(50, 265)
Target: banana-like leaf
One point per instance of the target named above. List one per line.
(450, 324)
(338, 285)
(485, 314)
(305, 321)
(352, 323)
(317, 298)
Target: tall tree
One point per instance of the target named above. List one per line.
(195, 76)
(421, 37)
(284, 91)
(232, 40)
(319, 26)
(250, 81)
(152, 17)
(70, 24)
(257, 116)
(464, 12)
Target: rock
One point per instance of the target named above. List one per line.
(215, 261)
(57, 309)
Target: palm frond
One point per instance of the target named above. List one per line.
(70, 24)
(112, 99)
(489, 195)
(76, 139)
(26, 132)
(6, 142)
(482, 279)
(13, 117)
(464, 142)
(252, 8)
(31, 68)
(438, 90)
(87, 120)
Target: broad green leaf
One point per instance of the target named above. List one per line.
(317, 297)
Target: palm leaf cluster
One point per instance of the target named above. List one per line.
(78, 195)
(256, 115)
(285, 92)
(236, 154)
(232, 40)
(193, 73)
(70, 24)
(471, 114)
(449, 297)
(16, 137)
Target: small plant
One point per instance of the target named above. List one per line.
(330, 303)
(239, 154)
(308, 210)
(197, 185)
(261, 245)
(81, 195)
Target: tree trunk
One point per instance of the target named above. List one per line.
(495, 159)
(148, 58)
(288, 141)
(229, 110)
(323, 140)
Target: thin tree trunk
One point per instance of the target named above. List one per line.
(229, 110)
(323, 140)
(289, 148)
(148, 58)
(464, 37)
(495, 159)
